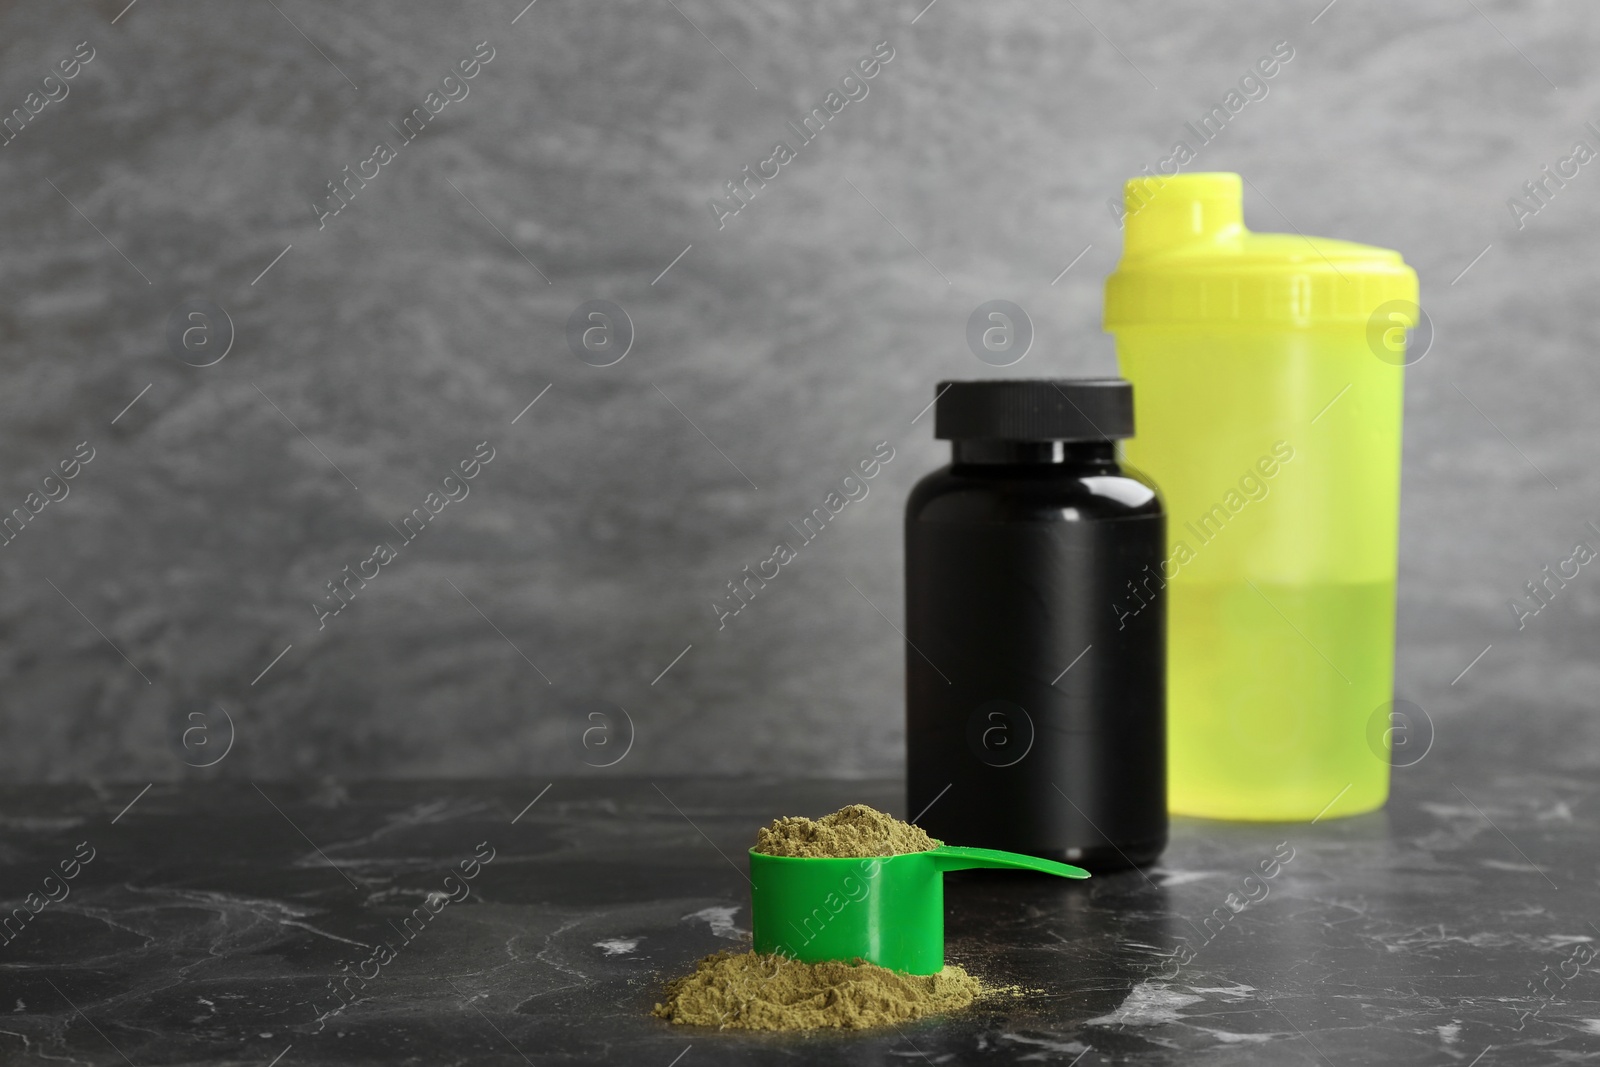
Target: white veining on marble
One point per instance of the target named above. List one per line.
(1046, 1048)
(720, 919)
(1231, 1037)
(1148, 1004)
(1235, 991)
(618, 946)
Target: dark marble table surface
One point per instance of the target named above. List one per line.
(212, 917)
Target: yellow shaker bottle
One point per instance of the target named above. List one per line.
(1267, 373)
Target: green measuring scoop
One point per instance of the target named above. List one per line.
(888, 910)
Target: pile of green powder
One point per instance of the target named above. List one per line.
(853, 831)
(747, 991)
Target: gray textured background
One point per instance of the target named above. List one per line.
(795, 338)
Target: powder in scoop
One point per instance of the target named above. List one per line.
(748, 991)
(853, 831)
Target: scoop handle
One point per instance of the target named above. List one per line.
(955, 858)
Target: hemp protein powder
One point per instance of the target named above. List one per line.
(746, 991)
(773, 992)
(852, 831)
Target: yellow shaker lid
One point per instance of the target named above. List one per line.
(1187, 259)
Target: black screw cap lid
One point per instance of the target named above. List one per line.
(1034, 409)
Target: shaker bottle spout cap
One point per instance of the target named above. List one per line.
(1182, 209)
(1188, 259)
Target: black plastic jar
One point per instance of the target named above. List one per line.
(1036, 628)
